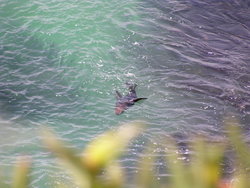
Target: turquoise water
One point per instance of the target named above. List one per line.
(61, 61)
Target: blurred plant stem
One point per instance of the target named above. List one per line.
(21, 173)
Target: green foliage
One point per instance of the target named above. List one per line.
(98, 157)
(97, 167)
(203, 171)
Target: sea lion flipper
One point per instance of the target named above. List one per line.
(138, 99)
(118, 95)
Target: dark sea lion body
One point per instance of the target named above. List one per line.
(123, 102)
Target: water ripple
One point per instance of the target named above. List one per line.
(61, 62)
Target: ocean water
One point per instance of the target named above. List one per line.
(61, 62)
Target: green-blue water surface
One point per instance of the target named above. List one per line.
(61, 62)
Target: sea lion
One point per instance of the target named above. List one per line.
(123, 102)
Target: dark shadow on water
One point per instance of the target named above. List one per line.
(200, 49)
(32, 84)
